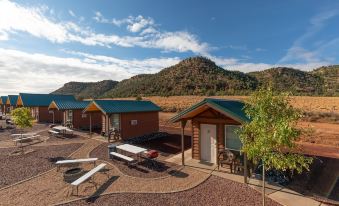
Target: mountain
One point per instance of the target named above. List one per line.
(86, 89)
(289, 79)
(201, 76)
(192, 76)
(330, 78)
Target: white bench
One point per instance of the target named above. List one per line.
(87, 175)
(65, 162)
(53, 132)
(124, 157)
(25, 138)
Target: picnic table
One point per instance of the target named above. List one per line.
(132, 149)
(63, 129)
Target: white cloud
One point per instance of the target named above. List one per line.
(298, 53)
(25, 72)
(15, 18)
(71, 13)
(139, 22)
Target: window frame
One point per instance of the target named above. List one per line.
(225, 137)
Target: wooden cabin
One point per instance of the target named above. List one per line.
(3, 100)
(11, 102)
(38, 104)
(214, 125)
(73, 115)
(131, 118)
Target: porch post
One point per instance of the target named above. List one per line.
(183, 124)
(53, 116)
(90, 124)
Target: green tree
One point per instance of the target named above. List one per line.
(270, 136)
(22, 117)
(138, 98)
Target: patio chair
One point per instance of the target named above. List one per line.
(226, 157)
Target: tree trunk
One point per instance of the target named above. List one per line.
(263, 184)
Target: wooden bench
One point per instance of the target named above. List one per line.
(124, 157)
(65, 162)
(87, 176)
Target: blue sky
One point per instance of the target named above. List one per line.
(44, 44)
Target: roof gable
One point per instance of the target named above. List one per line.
(122, 106)
(231, 108)
(36, 100)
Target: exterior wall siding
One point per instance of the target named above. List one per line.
(83, 123)
(147, 122)
(45, 116)
(209, 117)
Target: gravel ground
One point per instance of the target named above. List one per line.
(16, 168)
(5, 134)
(142, 169)
(215, 191)
(53, 138)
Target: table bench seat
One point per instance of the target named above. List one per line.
(124, 157)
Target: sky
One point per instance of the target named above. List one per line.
(44, 44)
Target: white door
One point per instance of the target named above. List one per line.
(208, 133)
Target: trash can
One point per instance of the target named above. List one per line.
(111, 148)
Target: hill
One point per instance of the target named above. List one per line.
(201, 76)
(330, 78)
(289, 79)
(86, 89)
(192, 76)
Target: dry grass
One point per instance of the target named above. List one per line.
(306, 103)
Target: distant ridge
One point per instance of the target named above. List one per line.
(201, 76)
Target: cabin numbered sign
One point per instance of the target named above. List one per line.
(134, 122)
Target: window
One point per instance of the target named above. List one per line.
(69, 116)
(232, 140)
(115, 121)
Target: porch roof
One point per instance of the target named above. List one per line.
(67, 105)
(230, 108)
(121, 106)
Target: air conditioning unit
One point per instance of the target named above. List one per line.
(134, 122)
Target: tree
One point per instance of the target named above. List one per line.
(22, 118)
(138, 98)
(270, 136)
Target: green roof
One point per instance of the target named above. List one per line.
(232, 108)
(65, 105)
(126, 106)
(4, 99)
(13, 99)
(36, 100)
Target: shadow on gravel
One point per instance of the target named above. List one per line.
(55, 159)
(177, 173)
(101, 189)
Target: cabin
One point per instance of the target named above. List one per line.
(11, 102)
(3, 100)
(131, 118)
(38, 104)
(214, 125)
(73, 115)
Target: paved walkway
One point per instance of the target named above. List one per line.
(278, 193)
